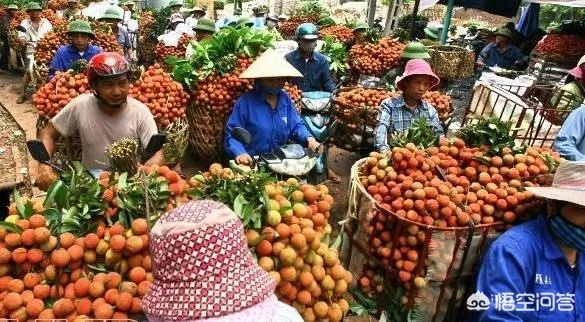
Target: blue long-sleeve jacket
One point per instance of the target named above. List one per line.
(317, 76)
(570, 142)
(270, 128)
(67, 55)
(491, 56)
(526, 277)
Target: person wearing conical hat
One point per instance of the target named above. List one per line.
(501, 52)
(397, 114)
(195, 14)
(541, 262)
(72, 10)
(267, 112)
(36, 27)
(79, 34)
(413, 50)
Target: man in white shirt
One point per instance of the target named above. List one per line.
(95, 9)
(36, 27)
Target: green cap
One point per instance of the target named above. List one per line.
(432, 32)
(504, 32)
(32, 6)
(259, 10)
(80, 27)
(325, 21)
(238, 11)
(415, 50)
(72, 1)
(361, 27)
(205, 24)
(244, 22)
(12, 7)
(112, 13)
(175, 3)
(129, 3)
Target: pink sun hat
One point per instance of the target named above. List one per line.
(203, 269)
(577, 72)
(418, 67)
(177, 17)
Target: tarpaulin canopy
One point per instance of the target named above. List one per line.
(529, 21)
(568, 3)
(506, 8)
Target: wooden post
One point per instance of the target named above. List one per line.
(371, 13)
(414, 15)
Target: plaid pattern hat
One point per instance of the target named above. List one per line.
(202, 265)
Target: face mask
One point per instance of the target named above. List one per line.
(308, 47)
(270, 24)
(270, 89)
(567, 232)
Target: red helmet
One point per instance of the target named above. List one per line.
(106, 64)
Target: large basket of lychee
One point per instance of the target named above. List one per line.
(435, 213)
(356, 111)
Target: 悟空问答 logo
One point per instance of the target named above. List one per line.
(478, 302)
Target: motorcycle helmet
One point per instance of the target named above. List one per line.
(106, 64)
(307, 31)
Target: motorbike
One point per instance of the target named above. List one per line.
(316, 113)
(289, 160)
(40, 154)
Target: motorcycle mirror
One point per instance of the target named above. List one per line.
(38, 151)
(242, 135)
(155, 143)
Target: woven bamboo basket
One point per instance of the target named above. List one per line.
(206, 128)
(146, 51)
(452, 62)
(14, 42)
(66, 149)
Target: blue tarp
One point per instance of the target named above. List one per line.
(528, 23)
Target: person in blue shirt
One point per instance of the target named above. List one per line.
(267, 112)
(501, 52)
(570, 142)
(313, 65)
(80, 34)
(540, 261)
(259, 17)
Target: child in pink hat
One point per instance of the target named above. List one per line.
(399, 113)
(205, 272)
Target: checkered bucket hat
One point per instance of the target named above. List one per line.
(202, 265)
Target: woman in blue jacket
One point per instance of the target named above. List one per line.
(267, 112)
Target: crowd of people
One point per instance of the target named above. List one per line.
(549, 245)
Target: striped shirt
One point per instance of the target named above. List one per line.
(395, 116)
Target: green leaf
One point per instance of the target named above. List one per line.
(19, 204)
(122, 181)
(11, 227)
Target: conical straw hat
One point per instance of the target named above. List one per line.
(269, 65)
